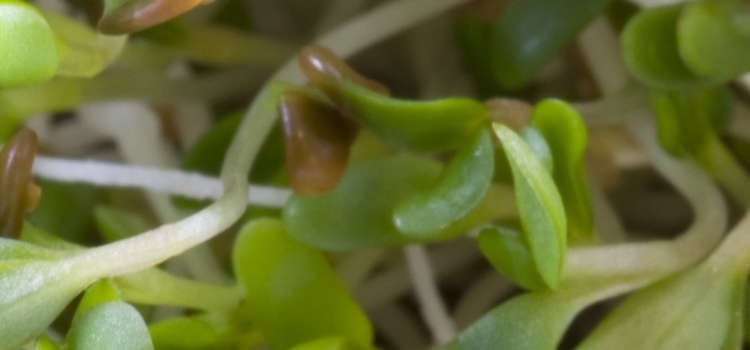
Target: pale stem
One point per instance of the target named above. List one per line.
(155, 246)
(428, 296)
(659, 258)
(167, 181)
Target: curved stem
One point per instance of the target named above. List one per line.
(155, 246)
(156, 287)
(431, 303)
(64, 94)
(723, 166)
(653, 260)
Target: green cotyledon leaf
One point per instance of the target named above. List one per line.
(33, 292)
(72, 204)
(506, 250)
(329, 343)
(696, 309)
(461, 187)
(533, 321)
(650, 51)
(103, 322)
(565, 132)
(209, 331)
(711, 41)
(28, 52)
(539, 205)
(109, 326)
(34, 289)
(291, 292)
(529, 33)
(103, 291)
(686, 119)
(83, 52)
(358, 213)
(417, 125)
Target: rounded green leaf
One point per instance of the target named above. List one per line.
(687, 119)
(710, 43)
(507, 252)
(45, 343)
(32, 295)
(11, 249)
(359, 212)
(529, 33)
(330, 343)
(693, 310)
(565, 132)
(28, 53)
(109, 326)
(649, 48)
(207, 331)
(539, 205)
(103, 291)
(292, 294)
(535, 321)
(83, 52)
(419, 125)
(539, 145)
(460, 188)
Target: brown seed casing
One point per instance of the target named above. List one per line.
(516, 114)
(317, 140)
(324, 69)
(137, 15)
(18, 195)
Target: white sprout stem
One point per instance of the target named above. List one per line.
(167, 181)
(431, 303)
(601, 48)
(734, 252)
(155, 246)
(655, 259)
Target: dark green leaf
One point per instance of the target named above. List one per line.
(565, 132)
(539, 205)
(27, 45)
(529, 33)
(359, 212)
(686, 119)
(649, 45)
(66, 210)
(420, 125)
(473, 37)
(460, 188)
(292, 293)
(115, 224)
